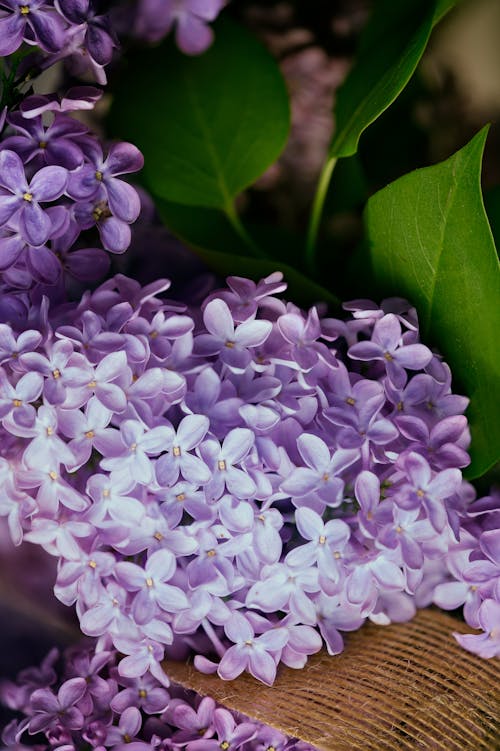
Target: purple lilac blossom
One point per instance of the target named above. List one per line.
(190, 18)
(89, 704)
(271, 498)
(55, 184)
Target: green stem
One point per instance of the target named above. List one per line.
(317, 210)
(240, 230)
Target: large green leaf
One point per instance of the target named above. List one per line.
(390, 49)
(208, 126)
(431, 241)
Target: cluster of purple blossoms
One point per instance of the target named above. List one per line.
(79, 33)
(93, 706)
(59, 29)
(56, 183)
(244, 480)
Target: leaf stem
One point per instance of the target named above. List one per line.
(236, 224)
(317, 211)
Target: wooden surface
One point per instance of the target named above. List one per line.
(405, 686)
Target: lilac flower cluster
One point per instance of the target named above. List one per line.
(56, 180)
(71, 29)
(55, 183)
(227, 479)
(472, 578)
(93, 706)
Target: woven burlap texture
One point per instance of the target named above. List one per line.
(405, 686)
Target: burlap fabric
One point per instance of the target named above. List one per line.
(407, 686)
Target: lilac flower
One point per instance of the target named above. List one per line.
(386, 345)
(223, 338)
(251, 651)
(97, 179)
(230, 734)
(281, 586)
(24, 198)
(190, 433)
(222, 460)
(114, 233)
(130, 452)
(11, 347)
(190, 17)
(362, 425)
(36, 22)
(18, 400)
(486, 644)
(151, 583)
(322, 473)
(143, 693)
(53, 367)
(124, 736)
(49, 708)
(302, 335)
(372, 571)
(440, 445)
(99, 41)
(56, 144)
(107, 613)
(244, 296)
(424, 490)
(327, 542)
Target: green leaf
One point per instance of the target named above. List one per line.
(213, 239)
(390, 49)
(208, 126)
(431, 242)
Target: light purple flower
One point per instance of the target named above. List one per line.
(229, 342)
(190, 433)
(40, 24)
(486, 644)
(23, 199)
(49, 709)
(222, 460)
(150, 583)
(249, 651)
(155, 18)
(386, 345)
